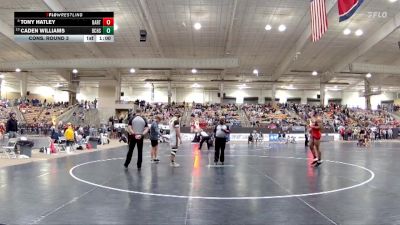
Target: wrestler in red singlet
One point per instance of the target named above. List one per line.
(316, 131)
(315, 143)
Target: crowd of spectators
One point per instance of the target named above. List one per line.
(271, 116)
(81, 132)
(208, 115)
(150, 111)
(36, 116)
(40, 116)
(88, 104)
(164, 111)
(350, 122)
(4, 113)
(396, 108)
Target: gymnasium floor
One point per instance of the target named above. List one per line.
(257, 185)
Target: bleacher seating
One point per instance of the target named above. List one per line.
(166, 112)
(31, 113)
(281, 116)
(208, 115)
(4, 114)
(270, 116)
(49, 114)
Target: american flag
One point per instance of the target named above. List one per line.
(319, 20)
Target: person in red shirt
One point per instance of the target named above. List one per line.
(315, 134)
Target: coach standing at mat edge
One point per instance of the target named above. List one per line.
(12, 126)
(137, 128)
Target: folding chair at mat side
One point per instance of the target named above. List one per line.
(61, 145)
(8, 150)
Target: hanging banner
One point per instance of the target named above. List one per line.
(347, 8)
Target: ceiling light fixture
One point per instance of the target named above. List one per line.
(314, 73)
(268, 27)
(392, 1)
(346, 31)
(255, 72)
(282, 28)
(359, 32)
(18, 70)
(147, 85)
(195, 85)
(197, 26)
(242, 86)
(194, 70)
(75, 71)
(132, 70)
(369, 75)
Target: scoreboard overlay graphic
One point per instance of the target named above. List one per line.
(64, 26)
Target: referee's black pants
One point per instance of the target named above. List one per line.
(219, 149)
(132, 142)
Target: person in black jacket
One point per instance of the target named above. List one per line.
(12, 126)
(55, 135)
